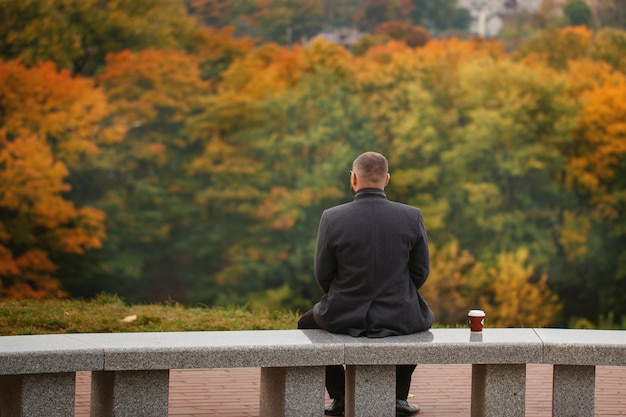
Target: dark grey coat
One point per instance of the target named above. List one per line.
(371, 259)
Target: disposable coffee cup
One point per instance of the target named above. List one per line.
(476, 320)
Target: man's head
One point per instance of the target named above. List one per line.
(369, 170)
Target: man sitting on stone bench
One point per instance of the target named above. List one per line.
(371, 259)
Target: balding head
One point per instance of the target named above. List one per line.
(370, 170)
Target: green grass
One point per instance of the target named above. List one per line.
(106, 313)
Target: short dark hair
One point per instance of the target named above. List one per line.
(372, 166)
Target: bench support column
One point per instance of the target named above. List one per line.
(573, 390)
(498, 390)
(292, 392)
(370, 391)
(37, 395)
(129, 393)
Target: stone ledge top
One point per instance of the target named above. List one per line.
(216, 349)
(49, 353)
(584, 347)
(446, 346)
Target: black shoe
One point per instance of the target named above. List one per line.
(403, 408)
(336, 408)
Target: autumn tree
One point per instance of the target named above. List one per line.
(156, 232)
(596, 167)
(216, 49)
(557, 46)
(413, 99)
(508, 291)
(77, 35)
(609, 45)
(401, 31)
(578, 12)
(514, 297)
(509, 161)
(454, 285)
(49, 122)
(280, 136)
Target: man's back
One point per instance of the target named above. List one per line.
(371, 258)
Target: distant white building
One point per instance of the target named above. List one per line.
(487, 15)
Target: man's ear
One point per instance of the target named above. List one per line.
(387, 179)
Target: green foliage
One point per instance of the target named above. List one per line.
(610, 47)
(508, 159)
(78, 34)
(283, 20)
(578, 12)
(439, 15)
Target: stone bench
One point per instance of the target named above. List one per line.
(130, 371)
(498, 358)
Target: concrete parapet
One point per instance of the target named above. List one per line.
(130, 371)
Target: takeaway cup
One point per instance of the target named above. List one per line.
(476, 320)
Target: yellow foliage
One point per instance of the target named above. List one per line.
(139, 84)
(573, 235)
(600, 136)
(507, 292)
(265, 72)
(216, 43)
(513, 300)
(451, 287)
(585, 75)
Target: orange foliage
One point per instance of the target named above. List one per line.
(50, 121)
(140, 85)
(600, 136)
(265, 72)
(55, 105)
(585, 75)
(36, 217)
(218, 44)
(387, 64)
(453, 51)
(34, 280)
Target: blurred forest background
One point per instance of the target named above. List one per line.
(185, 149)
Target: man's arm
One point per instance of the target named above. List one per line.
(325, 265)
(419, 262)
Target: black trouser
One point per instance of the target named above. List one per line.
(335, 374)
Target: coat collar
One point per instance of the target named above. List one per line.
(370, 192)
